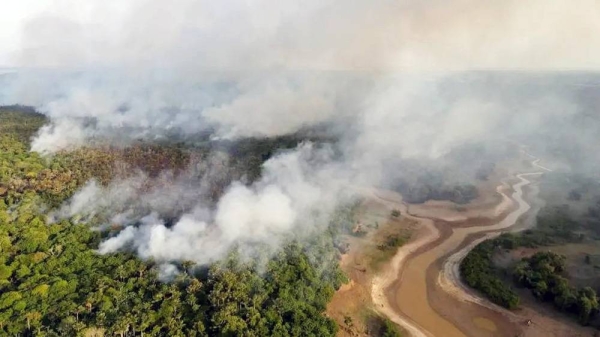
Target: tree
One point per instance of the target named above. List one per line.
(7, 299)
(53, 283)
(33, 319)
(540, 289)
(390, 329)
(585, 309)
(5, 272)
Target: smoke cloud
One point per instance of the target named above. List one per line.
(396, 82)
(293, 199)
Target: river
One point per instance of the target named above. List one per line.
(401, 291)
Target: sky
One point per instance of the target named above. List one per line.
(330, 34)
(16, 15)
(12, 17)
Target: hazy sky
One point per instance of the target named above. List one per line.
(382, 34)
(16, 15)
(12, 16)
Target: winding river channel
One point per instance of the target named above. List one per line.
(401, 291)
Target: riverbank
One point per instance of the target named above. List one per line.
(407, 299)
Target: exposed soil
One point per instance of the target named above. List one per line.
(578, 271)
(352, 305)
(411, 289)
(409, 294)
(438, 308)
(488, 204)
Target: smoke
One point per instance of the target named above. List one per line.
(289, 109)
(293, 199)
(186, 35)
(149, 70)
(395, 81)
(128, 198)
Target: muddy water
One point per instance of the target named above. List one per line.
(485, 324)
(411, 295)
(449, 278)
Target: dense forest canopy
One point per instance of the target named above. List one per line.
(543, 273)
(54, 283)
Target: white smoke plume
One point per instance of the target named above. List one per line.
(295, 197)
(385, 76)
(152, 67)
